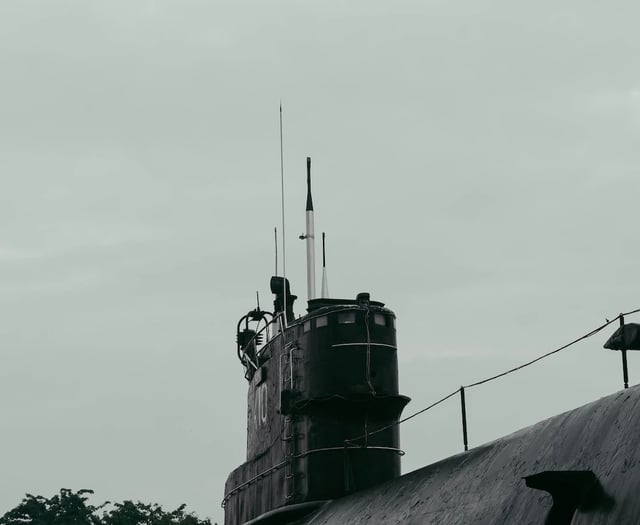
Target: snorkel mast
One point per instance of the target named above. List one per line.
(310, 239)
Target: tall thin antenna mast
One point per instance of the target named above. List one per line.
(275, 238)
(284, 252)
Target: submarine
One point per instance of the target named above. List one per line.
(323, 443)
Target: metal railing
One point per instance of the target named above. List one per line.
(461, 390)
(270, 470)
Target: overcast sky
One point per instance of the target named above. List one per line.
(475, 168)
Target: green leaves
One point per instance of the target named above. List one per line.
(130, 513)
(72, 508)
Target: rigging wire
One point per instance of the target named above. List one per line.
(415, 414)
(492, 378)
(540, 358)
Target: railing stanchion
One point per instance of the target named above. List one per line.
(463, 404)
(625, 370)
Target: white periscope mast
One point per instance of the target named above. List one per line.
(324, 291)
(310, 237)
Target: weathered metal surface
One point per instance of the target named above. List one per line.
(288, 514)
(486, 485)
(332, 378)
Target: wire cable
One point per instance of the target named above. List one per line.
(432, 405)
(540, 358)
(366, 435)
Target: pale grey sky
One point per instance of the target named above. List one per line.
(475, 168)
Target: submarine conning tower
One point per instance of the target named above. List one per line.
(323, 404)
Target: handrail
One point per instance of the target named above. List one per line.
(461, 389)
(302, 455)
(274, 319)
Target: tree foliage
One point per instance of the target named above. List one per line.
(72, 508)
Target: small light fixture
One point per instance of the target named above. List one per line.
(626, 337)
